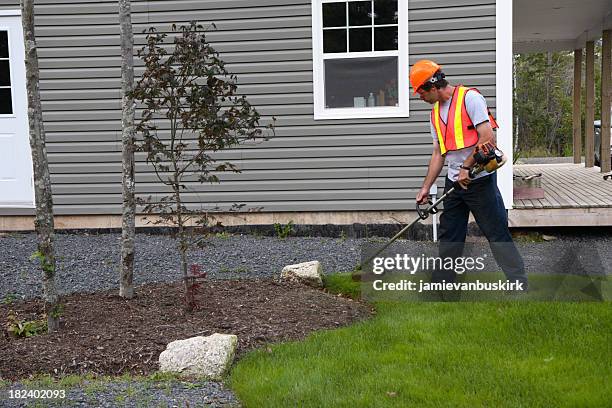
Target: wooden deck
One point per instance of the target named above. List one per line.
(573, 196)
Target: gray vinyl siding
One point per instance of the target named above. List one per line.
(330, 165)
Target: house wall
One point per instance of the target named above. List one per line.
(332, 165)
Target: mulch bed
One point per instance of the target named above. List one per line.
(107, 335)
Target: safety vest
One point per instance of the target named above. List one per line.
(458, 132)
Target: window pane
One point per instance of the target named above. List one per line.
(385, 11)
(360, 39)
(334, 15)
(361, 82)
(385, 38)
(4, 52)
(6, 106)
(5, 75)
(334, 40)
(360, 13)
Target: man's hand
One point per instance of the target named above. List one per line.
(464, 178)
(423, 196)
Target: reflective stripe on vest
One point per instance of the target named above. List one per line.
(435, 118)
(457, 118)
(458, 132)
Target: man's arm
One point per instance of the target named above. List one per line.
(485, 134)
(433, 171)
(477, 110)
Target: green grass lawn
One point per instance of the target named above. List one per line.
(430, 354)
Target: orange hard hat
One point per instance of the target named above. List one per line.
(421, 72)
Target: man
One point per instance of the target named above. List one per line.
(460, 120)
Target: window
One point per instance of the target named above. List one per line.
(6, 100)
(360, 58)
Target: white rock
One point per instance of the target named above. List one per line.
(209, 357)
(306, 272)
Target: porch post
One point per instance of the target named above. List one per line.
(503, 95)
(576, 116)
(589, 136)
(606, 95)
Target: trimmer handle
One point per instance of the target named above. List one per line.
(425, 211)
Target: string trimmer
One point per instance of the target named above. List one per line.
(488, 158)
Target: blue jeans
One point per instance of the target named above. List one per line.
(483, 199)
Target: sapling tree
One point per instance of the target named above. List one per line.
(42, 180)
(128, 224)
(190, 110)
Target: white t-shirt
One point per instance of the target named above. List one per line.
(476, 106)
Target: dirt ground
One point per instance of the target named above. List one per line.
(105, 334)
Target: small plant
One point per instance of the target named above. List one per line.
(223, 235)
(240, 269)
(283, 231)
(9, 299)
(190, 385)
(130, 391)
(25, 328)
(343, 236)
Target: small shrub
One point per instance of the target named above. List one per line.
(283, 231)
(25, 328)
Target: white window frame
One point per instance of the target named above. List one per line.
(318, 69)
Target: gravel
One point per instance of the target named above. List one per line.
(132, 394)
(89, 262)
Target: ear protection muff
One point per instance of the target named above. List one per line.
(437, 77)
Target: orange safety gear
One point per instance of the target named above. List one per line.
(421, 72)
(458, 132)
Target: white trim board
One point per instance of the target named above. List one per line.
(503, 94)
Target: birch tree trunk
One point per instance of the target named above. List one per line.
(42, 180)
(128, 228)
